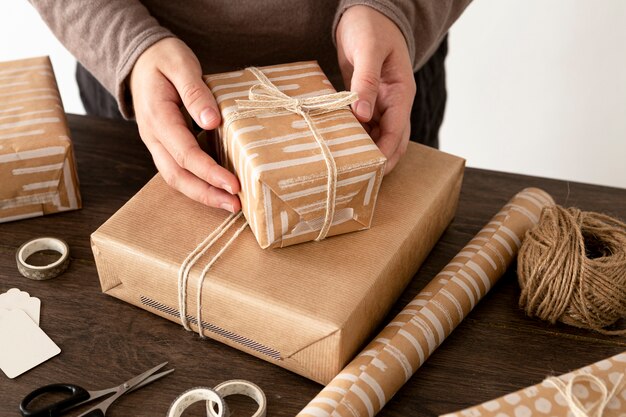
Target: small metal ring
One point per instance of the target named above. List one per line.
(43, 272)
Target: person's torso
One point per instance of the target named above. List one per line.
(231, 34)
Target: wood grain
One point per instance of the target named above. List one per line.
(105, 341)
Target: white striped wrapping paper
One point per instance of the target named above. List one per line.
(37, 167)
(280, 166)
(365, 385)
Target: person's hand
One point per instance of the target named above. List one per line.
(165, 76)
(375, 63)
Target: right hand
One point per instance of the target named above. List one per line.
(166, 75)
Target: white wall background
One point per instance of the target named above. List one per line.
(539, 87)
(535, 87)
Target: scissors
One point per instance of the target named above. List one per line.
(79, 396)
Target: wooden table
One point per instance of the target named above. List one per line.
(105, 341)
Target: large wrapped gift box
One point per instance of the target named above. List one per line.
(281, 167)
(307, 307)
(37, 164)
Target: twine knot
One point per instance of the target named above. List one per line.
(572, 268)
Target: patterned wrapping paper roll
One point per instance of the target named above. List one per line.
(380, 370)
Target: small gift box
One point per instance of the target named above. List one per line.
(307, 308)
(307, 167)
(595, 390)
(37, 164)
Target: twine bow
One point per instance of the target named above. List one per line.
(265, 98)
(595, 409)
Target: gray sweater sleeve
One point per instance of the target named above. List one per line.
(423, 23)
(106, 36)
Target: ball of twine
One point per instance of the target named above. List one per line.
(572, 268)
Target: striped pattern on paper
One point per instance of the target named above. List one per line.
(244, 341)
(37, 165)
(281, 168)
(380, 370)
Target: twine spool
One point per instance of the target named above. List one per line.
(572, 268)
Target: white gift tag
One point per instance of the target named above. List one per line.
(16, 299)
(23, 345)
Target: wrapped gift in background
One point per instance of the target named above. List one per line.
(595, 390)
(37, 165)
(281, 166)
(308, 307)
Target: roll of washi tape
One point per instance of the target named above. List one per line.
(241, 387)
(43, 272)
(194, 395)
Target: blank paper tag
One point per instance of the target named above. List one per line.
(23, 345)
(16, 299)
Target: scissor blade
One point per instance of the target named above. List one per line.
(97, 394)
(99, 410)
(131, 383)
(151, 379)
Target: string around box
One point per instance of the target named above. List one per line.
(264, 98)
(193, 257)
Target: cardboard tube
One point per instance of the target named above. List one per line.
(365, 385)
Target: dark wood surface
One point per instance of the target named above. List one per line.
(105, 341)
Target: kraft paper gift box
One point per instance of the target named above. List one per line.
(307, 307)
(598, 389)
(280, 165)
(37, 166)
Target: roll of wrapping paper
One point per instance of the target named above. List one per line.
(365, 385)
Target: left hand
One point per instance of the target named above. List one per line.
(375, 63)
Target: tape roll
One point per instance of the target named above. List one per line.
(240, 387)
(43, 272)
(194, 395)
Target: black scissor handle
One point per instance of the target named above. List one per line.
(77, 395)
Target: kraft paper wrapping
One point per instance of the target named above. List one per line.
(37, 164)
(378, 372)
(281, 168)
(545, 399)
(307, 308)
